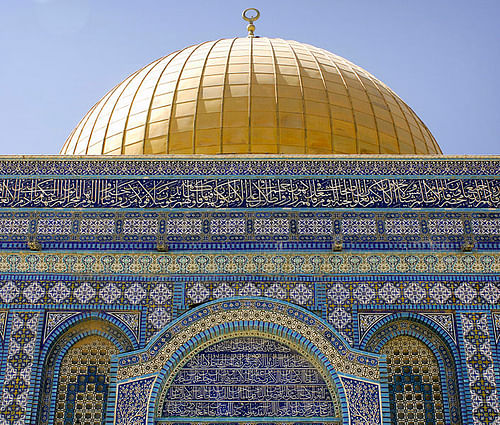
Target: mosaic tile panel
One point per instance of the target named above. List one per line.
(154, 295)
(248, 421)
(344, 294)
(292, 230)
(14, 226)
(479, 360)
(495, 315)
(82, 389)
(421, 362)
(248, 377)
(269, 263)
(19, 367)
(82, 352)
(415, 391)
(364, 401)
(133, 397)
(249, 316)
(339, 166)
(3, 323)
(446, 321)
(484, 226)
(250, 193)
(301, 293)
(55, 318)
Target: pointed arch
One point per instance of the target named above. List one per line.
(76, 360)
(143, 375)
(423, 337)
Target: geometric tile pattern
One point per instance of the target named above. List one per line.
(58, 226)
(54, 318)
(421, 362)
(18, 369)
(342, 293)
(206, 230)
(82, 388)
(276, 262)
(451, 226)
(13, 226)
(341, 296)
(486, 226)
(366, 321)
(131, 319)
(415, 391)
(359, 226)
(495, 315)
(347, 165)
(155, 295)
(479, 360)
(298, 293)
(84, 348)
(106, 260)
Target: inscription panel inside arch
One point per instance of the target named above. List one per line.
(248, 377)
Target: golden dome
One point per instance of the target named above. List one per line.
(250, 96)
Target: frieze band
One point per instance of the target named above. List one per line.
(237, 230)
(256, 166)
(249, 193)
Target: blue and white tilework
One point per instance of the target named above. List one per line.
(271, 226)
(301, 293)
(58, 226)
(133, 398)
(14, 226)
(18, 368)
(359, 226)
(479, 361)
(99, 226)
(313, 226)
(156, 296)
(143, 241)
(486, 226)
(3, 323)
(270, 377)
(276, 166)
(450, 226)
(344, 294)
(292, 230)
(364, 401)
(140, 226)
(183, 226)
(224, 226)
(402, 226)
(229, 192)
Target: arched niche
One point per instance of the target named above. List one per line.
(248, 375)
(74, 383)
(423, 381)
(144, 377)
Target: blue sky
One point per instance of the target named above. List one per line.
(58, 57)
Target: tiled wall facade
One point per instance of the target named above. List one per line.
(400, 272)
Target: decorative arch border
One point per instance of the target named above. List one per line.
(82, 316)
(59, 332)
(440, 333)
(234, 329)
(140, 375)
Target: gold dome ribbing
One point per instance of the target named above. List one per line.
(250, 96)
